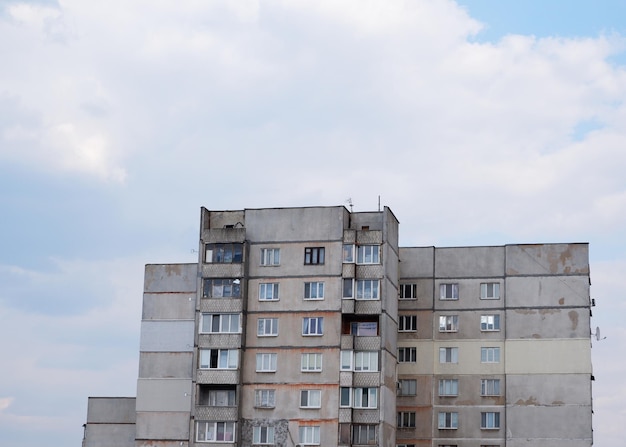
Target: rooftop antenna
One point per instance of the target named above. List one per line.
(349, 202)
(597, 334)
(379, 203)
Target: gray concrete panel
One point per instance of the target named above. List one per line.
(166, 336)
(417, 262)
(165, 365)
(163, 426)
(463, 262)
(553, 291)
(111, 410)
(541, 259)
(170, 278)
(294, 224)
(530, 390)
(566, 422)
(109, 435)
(548, 323)
(169, 306)
(163, 395)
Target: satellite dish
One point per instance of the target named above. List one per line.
(597, 334)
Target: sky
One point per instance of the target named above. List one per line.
(477, 122)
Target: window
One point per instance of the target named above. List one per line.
(490, 420)
(448, 323)
(220, 324)
(408, 291)
(407, 323)
(364, 434)
(490, 387)
(219, 358)
(270, 256)
(215, 431)
(348, 253)
(406, 419)
(490, 291)
(448, 355)
(266, 362)
(368, 254)
(364, 328)
(406, 445)
(407, 355)
(348, 288)
(490, 322)
(263, 435)
(267, 327)
(265, 398)
(448, 387)
(366, 361)
(310, 399)
(365, 398)
(313, 290)
(311, 362)
(407, 387)
(346, 358)
(314, 255)
(490, 355)
(367, 289)
(223, 253)
(448, 420)
(345, 397)
(309, 435)
(221, 288)
(268, 291)
(216, 397)
(449, 291)
(313, 326)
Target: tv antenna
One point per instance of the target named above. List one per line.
(597, 334)
(349, 202)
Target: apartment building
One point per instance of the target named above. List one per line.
(310, 326)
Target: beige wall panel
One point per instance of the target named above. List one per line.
(548, 356)
(542, 291)
(164, 395)
(469, 356)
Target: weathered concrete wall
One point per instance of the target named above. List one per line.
(110, 422)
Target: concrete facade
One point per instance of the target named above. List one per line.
(311, 326)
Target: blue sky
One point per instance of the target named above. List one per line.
(477, 122)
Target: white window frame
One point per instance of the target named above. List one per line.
(266, 362)
(263, 435)
(226, 358)
(267, 327)
(309, 435)
(314, 290)
(268, 291)
(368, 254)
(490, 387)
(490, 420)
(490, 323)
(408, 291)
(313, 326)
(270, 256)
(367, 289)
(347, 285)
(348, 253)
(311, 362)
(409, 354)
(449, 291)
(406, 419)
(448, 387)
(407, 323)
(364, 434)
(310, 398)
(490, 355)
(448, 420)
(366, 361)
(225, 323)
(365, 397)
(345, 392)
(346, 360)
(265, 398)
(216, 397)
(209, 430)
(449, 354)
(490, 291)
(448, 323)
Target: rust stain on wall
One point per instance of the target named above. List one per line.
(532, 400)
(573, 316)
(562, 301)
